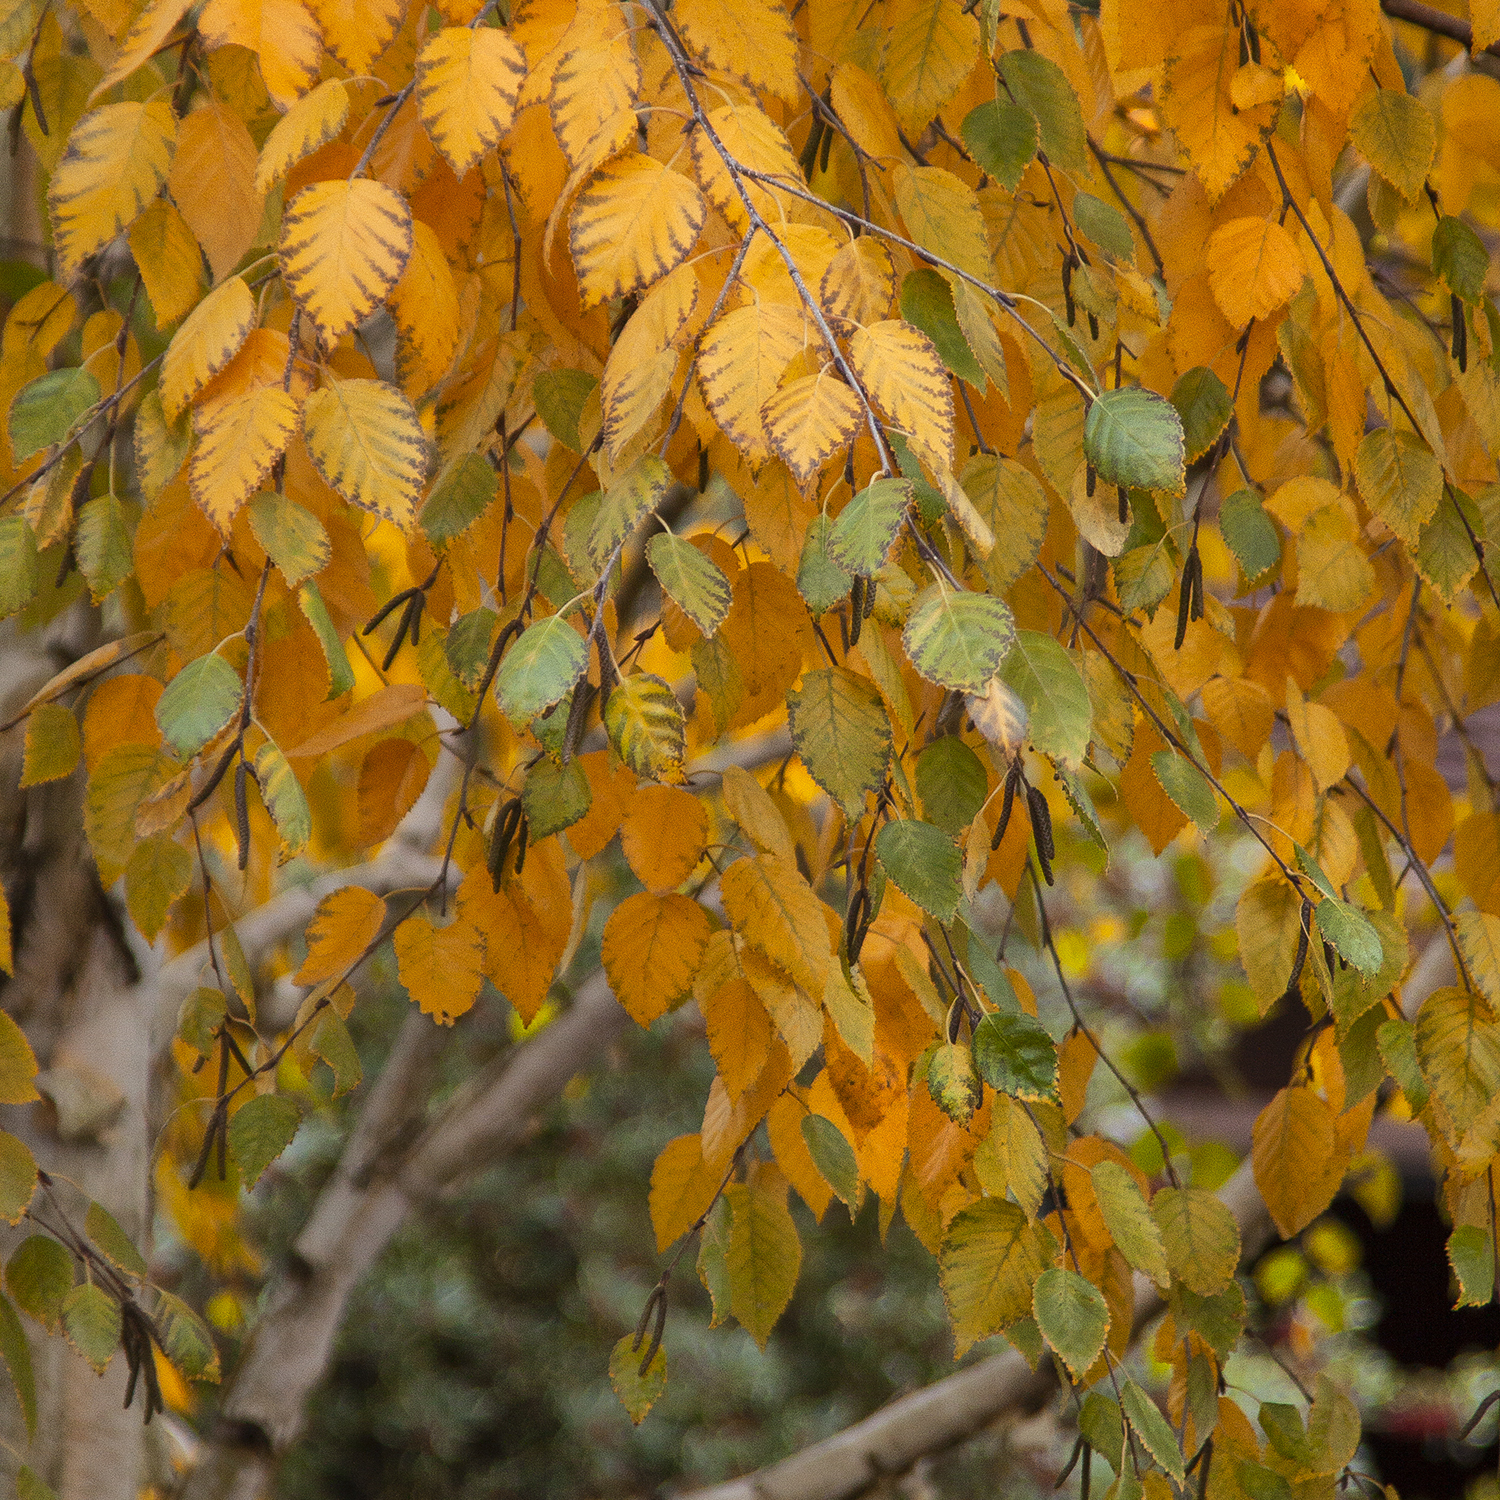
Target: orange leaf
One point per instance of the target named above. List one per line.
(441, 967)
(652, 948)
(346, 922)
(390, 781)
(664, 835)
(682, 1189)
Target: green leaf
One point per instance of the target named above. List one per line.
(1144, 576)
(1002, 137)
(764, 1254)
(1400, 480)
(1397, 135)
(990, 1259)
(185, 1338)
(555, 797)
(625, 505)
(1202, 401)
(468, 643)
(1129, 1221)
(927, 303)
(17, 1177)
(1218, 1319)
(1459, 259)
(1099, 1423)
(692, 579)
(645, 725)
(1445, 555)
(840, 730)
(285, 800)
(198, 702)
(292, 535)
(1038, 83)
(39, 1275)
(1060, 718)
(340, 673)
(458, 499)
(29, 1487)
(44, 411)
(1351, 934)
(330, 1040)
(1104, 224)
(259, 1131)
(953, 1081)
(104, 1230)
(1015, 507)
(1472, 1257)
(1133, 437)
(1073, 1316)
(1186, 785)
(958, 639)
(1015, 1056)
(160, 446)
(16, 1353)
(951, 783)
(867, 526)
(1152, 1428)
(925, 864)
(539, 668)
(91, 1322)
(103, 545)
(560, 396)
(1083, 809)
(820, 580)
(1201, 1238)
(20, 571)
(833, 1156)
(638, 1393)
(1249, 533)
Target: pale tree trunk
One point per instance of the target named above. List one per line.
(74, 994)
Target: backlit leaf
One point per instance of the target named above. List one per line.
(1397, 135)
(1254, 266)
(1129, 1220)
(907, 381)
(625, 505)
(346, 922)
(314, 120)
(1201, 1238)
(285, 800)
(293, 537)
(810, 419)
(208, 339)
(1400, 480)
(368, 445)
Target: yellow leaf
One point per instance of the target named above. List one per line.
(343, 247)
(664, 835)
(1320, 737)
(17, 1060)
(209, 338)
(154, 23)
(314, 120)
(358, 31)
(158, 873)
(753, 39)
(7, 956)
(1397, 135)
(753, 140)
(38, 322)
(740, 364)
(682, 1189)
(367, 444)
(594, 87)
(1254, 266)
(281, 33)
(1298, 1164)
(635, 221)
(1332, 570)
(1478, 938)
(739, 1030)
(53, 744)
(751, 807)
(809, 420)
(651, 950)
(424, 305)
(236, 449)
(169, 259)
(1268, 920)
(441, 967)
(1241, 711)
(930, 47)
(121, 780)
(638, 373)
(860, 103)
(764, 1255)
(1220, 139)
(1201, 1238)
(467, 82)
(942, 215)
(860, 282)
(990, 1260)
(383, 709)
(346, 922)
(907, 380)
(117, 159)
(764, 634)
(1485, 17)
(1458, 1047)
(213, 183)
(524, 939)
(774, 909)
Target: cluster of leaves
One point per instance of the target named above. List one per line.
(1082, 452)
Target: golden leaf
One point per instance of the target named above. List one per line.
(651, 949)
(740, 363)
(358, 31)
(314, 120)
(152, 26)
(441, 967)
(346, 922)
(774, 909)
(663, 836)
(753, 39)
(930, 47)
(809, 420)
(209, 338)
(367, 444)
(169, 259)
(467, 82)
(634, 222)
(1254, 266)
(281, 33)
(236, 449)
(860, 282)
(638, 373)
(213, 183)
(682, 1189)
(117, 159)
(907, 380)
(343, 247)
(424, 305)
(1297, 1161)
(753, 140)
(596, 81)
(860, 103)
